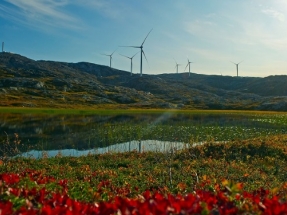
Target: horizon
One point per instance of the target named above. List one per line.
(212, 35)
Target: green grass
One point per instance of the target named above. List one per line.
(108, 111)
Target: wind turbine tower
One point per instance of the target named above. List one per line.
(2, 46)
(111, 56)
(131, 58)
(142, 52)
(236, 64)
(188, 64)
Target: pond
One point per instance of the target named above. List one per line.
(82, 134)
(135, 145)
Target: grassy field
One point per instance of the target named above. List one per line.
(108, 111)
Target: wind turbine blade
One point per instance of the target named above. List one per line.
(134, 55)
(186, 66)
(145, 58)
(240, 61)
(146, 36)
(132, 46)
(105, 54)
(233, 62)
(113, 52)
(175, 61)
(124, 55)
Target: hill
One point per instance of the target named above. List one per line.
(26, 82)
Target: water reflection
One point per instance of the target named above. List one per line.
(139, 146)
(79, 133)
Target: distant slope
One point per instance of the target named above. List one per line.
(25, 82)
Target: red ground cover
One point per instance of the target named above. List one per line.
(223, 199)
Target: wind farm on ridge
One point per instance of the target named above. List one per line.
(143, 53)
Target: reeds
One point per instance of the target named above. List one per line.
(9, 148)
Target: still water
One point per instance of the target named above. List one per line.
(139, 146)
(77, 135)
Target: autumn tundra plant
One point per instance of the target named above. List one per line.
(151, 182)
(224, 198)
(9, 148)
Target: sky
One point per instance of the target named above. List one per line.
(210, 33)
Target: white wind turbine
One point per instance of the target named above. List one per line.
(142, 52)
(110, 55)
(188, 64)
(131, 58)
(236, 64)
(176, 65)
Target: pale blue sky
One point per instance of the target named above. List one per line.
(210, 33)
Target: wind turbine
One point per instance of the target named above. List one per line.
(131, 58)
(236, 64)
(142, 52)
(110, 55)
(176, 65)
(188, 64)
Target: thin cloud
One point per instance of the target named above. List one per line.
(201, 29)
(259, 34)
(40, 12)
(247, 32)
(209, 31)
(275, 14)
(210, 54)
(112, 9)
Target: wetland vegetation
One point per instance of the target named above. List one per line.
(240, 167)
(82, 130)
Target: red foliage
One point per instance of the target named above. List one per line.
(218, 202)
(6, 208)
(10, 178)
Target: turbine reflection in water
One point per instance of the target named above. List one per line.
(146, 145)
